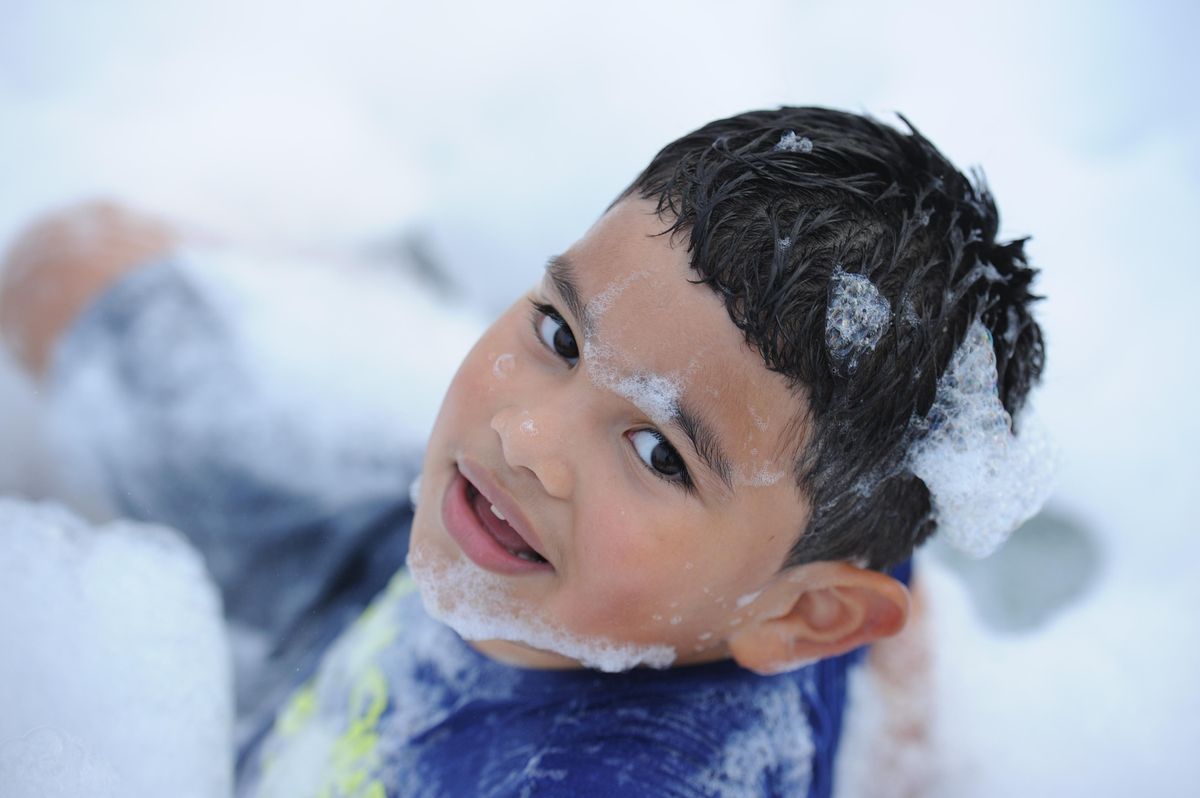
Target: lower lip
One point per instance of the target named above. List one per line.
(476, 542)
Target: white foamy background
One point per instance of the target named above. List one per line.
(496, 133)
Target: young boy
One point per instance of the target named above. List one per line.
(697, 445)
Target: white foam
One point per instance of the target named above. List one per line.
(746, 600)
(778, 743)
(114, 666)
(790, 142)
(47, 763)
(984, 481)
(603, 300)
(857, 318)
(502, 365)
(762, 477)
(476, 604)
(656, 395)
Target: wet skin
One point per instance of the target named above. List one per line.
(571, 428)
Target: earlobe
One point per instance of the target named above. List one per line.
(816, 611)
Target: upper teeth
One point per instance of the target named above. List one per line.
(498, 514)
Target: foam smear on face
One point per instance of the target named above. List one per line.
(763, 477)
(502, 365)
(984, 481)
(655, 395)
(858, 316)
(476, 605)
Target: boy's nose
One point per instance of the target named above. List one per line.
(529, 444)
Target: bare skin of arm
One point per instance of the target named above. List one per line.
(63, 261)
(903, 759)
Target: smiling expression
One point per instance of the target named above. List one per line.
(612, 457)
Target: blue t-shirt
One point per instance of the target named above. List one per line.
(401, 706)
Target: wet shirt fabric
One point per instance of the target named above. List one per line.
(401, 706)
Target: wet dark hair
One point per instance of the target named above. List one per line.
(772, 204)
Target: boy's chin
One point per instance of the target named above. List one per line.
(479, 606)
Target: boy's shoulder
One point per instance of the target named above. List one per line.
(400, 702)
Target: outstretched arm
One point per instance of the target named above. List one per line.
(62, 262)
(157, 411)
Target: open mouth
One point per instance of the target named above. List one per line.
(477, 524)
(496, 525)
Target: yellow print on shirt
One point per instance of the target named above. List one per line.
(351, 760)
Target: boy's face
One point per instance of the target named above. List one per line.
(575, 418)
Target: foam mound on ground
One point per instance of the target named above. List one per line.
(114, 671)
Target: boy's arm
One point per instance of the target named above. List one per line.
(60, 264)
(154, 412)
(889, 748)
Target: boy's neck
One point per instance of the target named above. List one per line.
(520, 655)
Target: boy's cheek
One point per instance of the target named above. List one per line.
(634, 586)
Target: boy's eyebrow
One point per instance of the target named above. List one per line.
(704, 442)
(562, 274)
(699, 433)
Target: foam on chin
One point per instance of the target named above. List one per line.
(476, 605)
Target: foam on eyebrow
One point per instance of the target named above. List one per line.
(654, 394)
(476, 605)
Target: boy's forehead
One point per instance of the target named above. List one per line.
(645, 325)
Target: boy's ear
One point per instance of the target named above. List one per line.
(815, 611)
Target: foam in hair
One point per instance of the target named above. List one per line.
(790, 142)
(856, 320)
(984, 480)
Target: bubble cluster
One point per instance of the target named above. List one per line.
(115, 675)
(790, 142)
(984, 480)
(857, 318)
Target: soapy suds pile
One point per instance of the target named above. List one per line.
(115, 675)
(985, 480)
(857, 318)
(790, 142)
(477, 605)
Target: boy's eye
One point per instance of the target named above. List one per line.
(658, 454)
(556, 335)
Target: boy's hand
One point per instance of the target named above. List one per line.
(63, 261)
